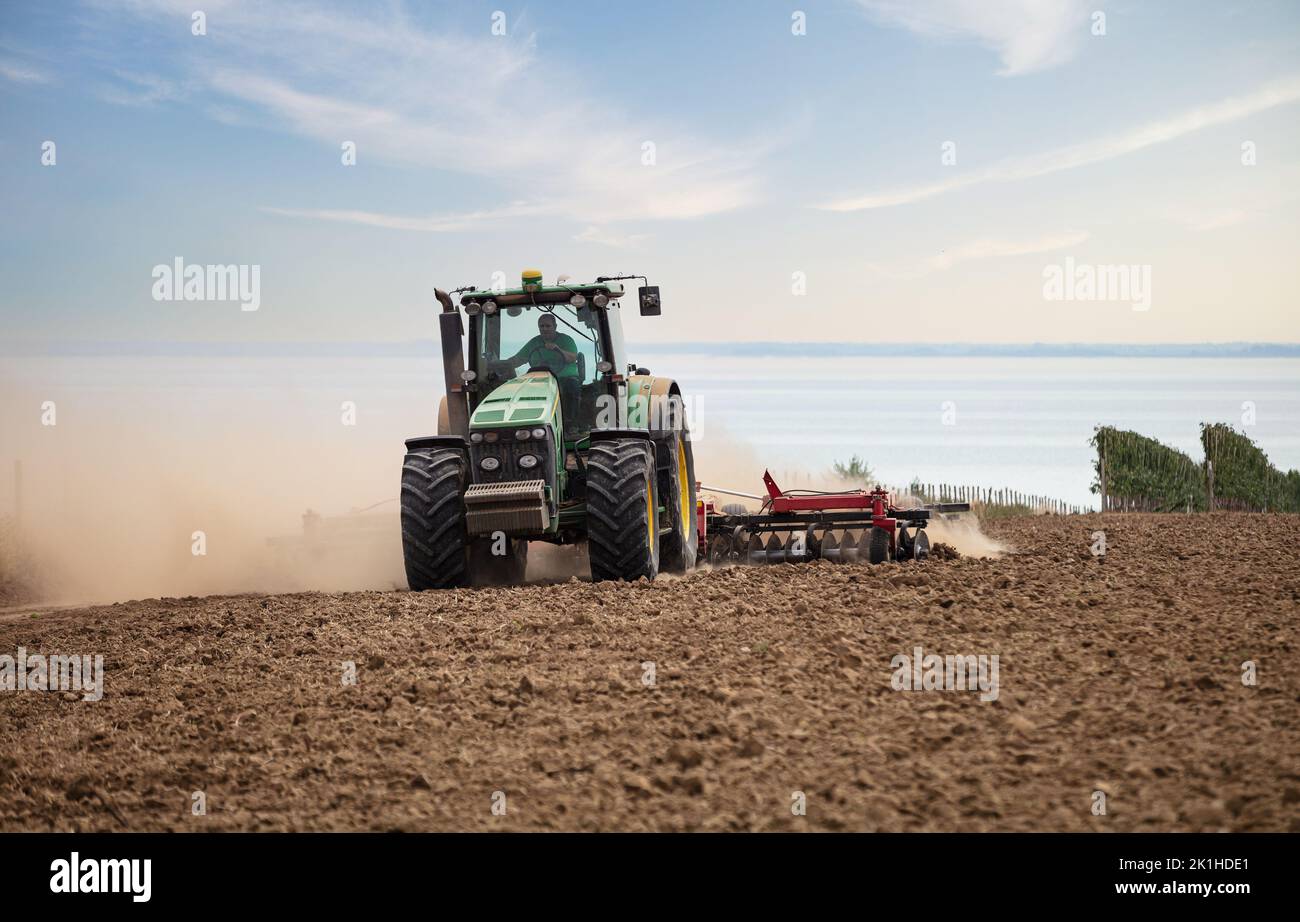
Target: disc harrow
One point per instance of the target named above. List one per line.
(801, 525)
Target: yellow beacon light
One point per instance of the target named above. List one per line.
(532, 279)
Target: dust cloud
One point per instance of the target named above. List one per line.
(123, 499)
(184, 477)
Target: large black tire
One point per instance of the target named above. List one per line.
(878, 551)
(488, 569)
(679, 547)
(622, 510)
(433, 519)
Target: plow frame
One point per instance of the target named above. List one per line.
(734, 537)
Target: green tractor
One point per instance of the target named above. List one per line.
(547, 435)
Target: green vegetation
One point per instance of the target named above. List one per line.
(855, 471)
(1240, 476)
(1138, 473)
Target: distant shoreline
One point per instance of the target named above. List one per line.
(428, 347)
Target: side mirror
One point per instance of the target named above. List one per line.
(650, 306)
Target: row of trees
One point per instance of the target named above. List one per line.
(1137, 473)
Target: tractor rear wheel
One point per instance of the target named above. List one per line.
(878, 551)
(433, 519)
(622, 510)
(679, 547)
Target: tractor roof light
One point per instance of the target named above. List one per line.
(578, 301)
(489, 307)
(600, 299)
(604, 367)
(471, 308)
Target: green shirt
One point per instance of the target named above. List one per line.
(537, 355)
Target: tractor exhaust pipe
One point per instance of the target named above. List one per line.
(452, 332)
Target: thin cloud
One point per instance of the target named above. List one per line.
(139, 90)
(15, 72)
(604, 237)
(1214, 220)
(431, 224)
(1027, 35)
(406, 97)
(984, 248)
(1270, 96)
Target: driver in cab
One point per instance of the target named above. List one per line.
(558, 353)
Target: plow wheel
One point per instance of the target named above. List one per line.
(920, 546)
(878, 552)
(622, 510)
(678, 547)
(433, 519)
(721, 550)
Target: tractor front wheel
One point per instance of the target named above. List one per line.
(433, 519)
(622, 510)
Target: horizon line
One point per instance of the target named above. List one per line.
(429, 346)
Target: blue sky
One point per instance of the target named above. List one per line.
(775, 154)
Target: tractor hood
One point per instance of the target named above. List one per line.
(532, 399)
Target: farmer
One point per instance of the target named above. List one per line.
(558, 353)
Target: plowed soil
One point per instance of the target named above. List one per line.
(1120, 675)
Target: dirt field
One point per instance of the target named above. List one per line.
(1120, 675)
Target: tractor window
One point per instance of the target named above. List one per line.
(521, 335)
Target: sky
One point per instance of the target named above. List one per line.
(846, 170)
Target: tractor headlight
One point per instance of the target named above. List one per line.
(600, 300)
(489, 307)
(490, 464)
(472, 308)
(578, 301)
(468, 375)
(522, 434)
(476, 437)
(539, 433)
(491, 436)
(527, 462)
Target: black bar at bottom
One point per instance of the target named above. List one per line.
(945, 871)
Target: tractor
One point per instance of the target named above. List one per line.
(547, 433)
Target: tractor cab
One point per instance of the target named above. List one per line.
(524, 341)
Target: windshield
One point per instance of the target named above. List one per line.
(558, 338)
